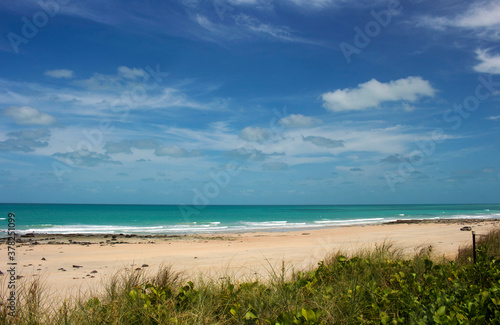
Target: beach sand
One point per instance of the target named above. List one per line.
(245, 256)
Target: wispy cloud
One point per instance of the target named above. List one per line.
(482, 17)
(488, 63)
(129, 88)
(270, 31)
(324, 142)
(481, 14)
(85, 158)
(125, 146)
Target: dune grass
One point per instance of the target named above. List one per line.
(381, 286)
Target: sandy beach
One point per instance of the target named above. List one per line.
(71, 264)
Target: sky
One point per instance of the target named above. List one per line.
(249, 102)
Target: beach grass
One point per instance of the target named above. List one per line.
(380, 286)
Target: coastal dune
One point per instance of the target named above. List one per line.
(70, 265)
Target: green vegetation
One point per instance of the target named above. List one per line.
(377, 287)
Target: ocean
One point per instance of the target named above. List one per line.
(173, 219)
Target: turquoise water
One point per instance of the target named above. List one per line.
(173, 219)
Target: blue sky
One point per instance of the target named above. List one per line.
(250, 101)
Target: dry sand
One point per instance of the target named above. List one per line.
(245, 256)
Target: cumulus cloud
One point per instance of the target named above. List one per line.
(85, 158)
(125, 146)
(59, 73)
(25, 140)
(275, 166)
(299, 121)
(373, 93)
(26, 115)
(324, 142)
(254, 134)
(177, 152)
(488, 63)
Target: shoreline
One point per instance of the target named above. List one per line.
(80, 263)
(133, 238)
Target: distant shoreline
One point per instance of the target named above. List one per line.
(41, 238)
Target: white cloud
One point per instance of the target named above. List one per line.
(324, 142)
(494, 118)
(482, 17)
(299, 121)
(244, 2)
(281, 33)
(131, 73)
(85, 158)
(254, 134)
(243, 26)
(26, 115)
(124, 77)
(322, 4)
(373, 93)
(314, 3)
(101, 92)
(177, 152)
(59, 73)
(488, 64)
